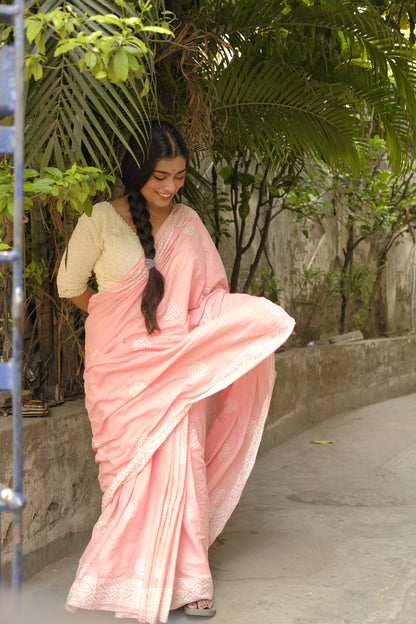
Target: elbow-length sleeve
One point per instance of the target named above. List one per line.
(77, 264)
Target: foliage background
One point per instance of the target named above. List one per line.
(293, 108)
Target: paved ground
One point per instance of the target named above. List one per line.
(324, 533)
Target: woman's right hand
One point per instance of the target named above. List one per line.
(82, 301)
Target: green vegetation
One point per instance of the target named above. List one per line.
(263, 92)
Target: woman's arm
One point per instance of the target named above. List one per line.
(82, 300)
(78, 260)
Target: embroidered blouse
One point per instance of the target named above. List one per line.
(103, 244)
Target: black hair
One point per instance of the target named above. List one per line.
(161, 140)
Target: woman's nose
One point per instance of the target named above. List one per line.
(170, 185)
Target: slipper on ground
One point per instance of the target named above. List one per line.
(200, 612)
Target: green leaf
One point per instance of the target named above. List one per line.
(107, 19)
(101, 75)
(158, 29)
(90, 59)
(54, 171)
(121, 64)
(134, 65)
(245, 179)
(273, 190)
(227, 174)
(244, 208)
(33, 28)
(146, 88)
(71, 116)
(37, 70)
(57, 17)
(138, 47)
(42, 185)
(30, 173)
(88, 208)
(40, 40)
(65, 46)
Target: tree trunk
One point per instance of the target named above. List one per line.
(377, 322)
(5, 293)
(42, 297)
(348, 257)
(217, 231)
(261, 246)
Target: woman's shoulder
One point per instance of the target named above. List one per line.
(102, 209)
(102, 213)
(99, 221)
(188, 212)
(98, 210)
(189, 217)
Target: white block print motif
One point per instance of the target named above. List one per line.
(198, 370)
(189, 229)
(137, 388)
(172, 312)
(141, 343)
(139, 567)
(130, 510)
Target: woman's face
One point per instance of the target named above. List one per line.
(166, 180)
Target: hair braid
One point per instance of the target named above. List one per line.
(155, 286)
(162, 140)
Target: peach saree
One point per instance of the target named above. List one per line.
(177, 418)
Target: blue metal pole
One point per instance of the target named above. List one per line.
(18, 298)
(11, 141)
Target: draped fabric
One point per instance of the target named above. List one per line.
(176, 418)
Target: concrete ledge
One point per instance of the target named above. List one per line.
(59, 477)
(60, 485)
(314, 383)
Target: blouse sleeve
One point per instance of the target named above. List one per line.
(84, 249)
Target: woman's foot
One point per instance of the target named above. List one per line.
(203, 607)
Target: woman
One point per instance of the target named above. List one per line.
(178, 379)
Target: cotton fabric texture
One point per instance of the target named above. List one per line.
(176, 417)
(102, 243)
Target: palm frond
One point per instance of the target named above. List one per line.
(275, 112)
(73, 117)
(304, 76)
(368, 38)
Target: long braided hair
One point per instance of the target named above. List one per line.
(164, 141)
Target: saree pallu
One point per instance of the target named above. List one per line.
(212, 360)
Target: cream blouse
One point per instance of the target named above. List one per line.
(103, 244)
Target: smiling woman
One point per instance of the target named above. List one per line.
(161, 187)
(178, 380)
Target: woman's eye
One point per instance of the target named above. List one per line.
(178, 177)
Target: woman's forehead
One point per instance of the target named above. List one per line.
(176, 164)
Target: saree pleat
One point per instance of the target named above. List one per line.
(177, 419)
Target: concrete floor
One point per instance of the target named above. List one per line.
(324, 533)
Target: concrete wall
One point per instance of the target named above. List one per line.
(317, 314)
(314, 383)
(60, 482)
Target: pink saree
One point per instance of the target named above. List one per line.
(176, 418)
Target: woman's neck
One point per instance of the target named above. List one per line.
(158, 217)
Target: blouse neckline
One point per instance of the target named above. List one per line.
(156, 236)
